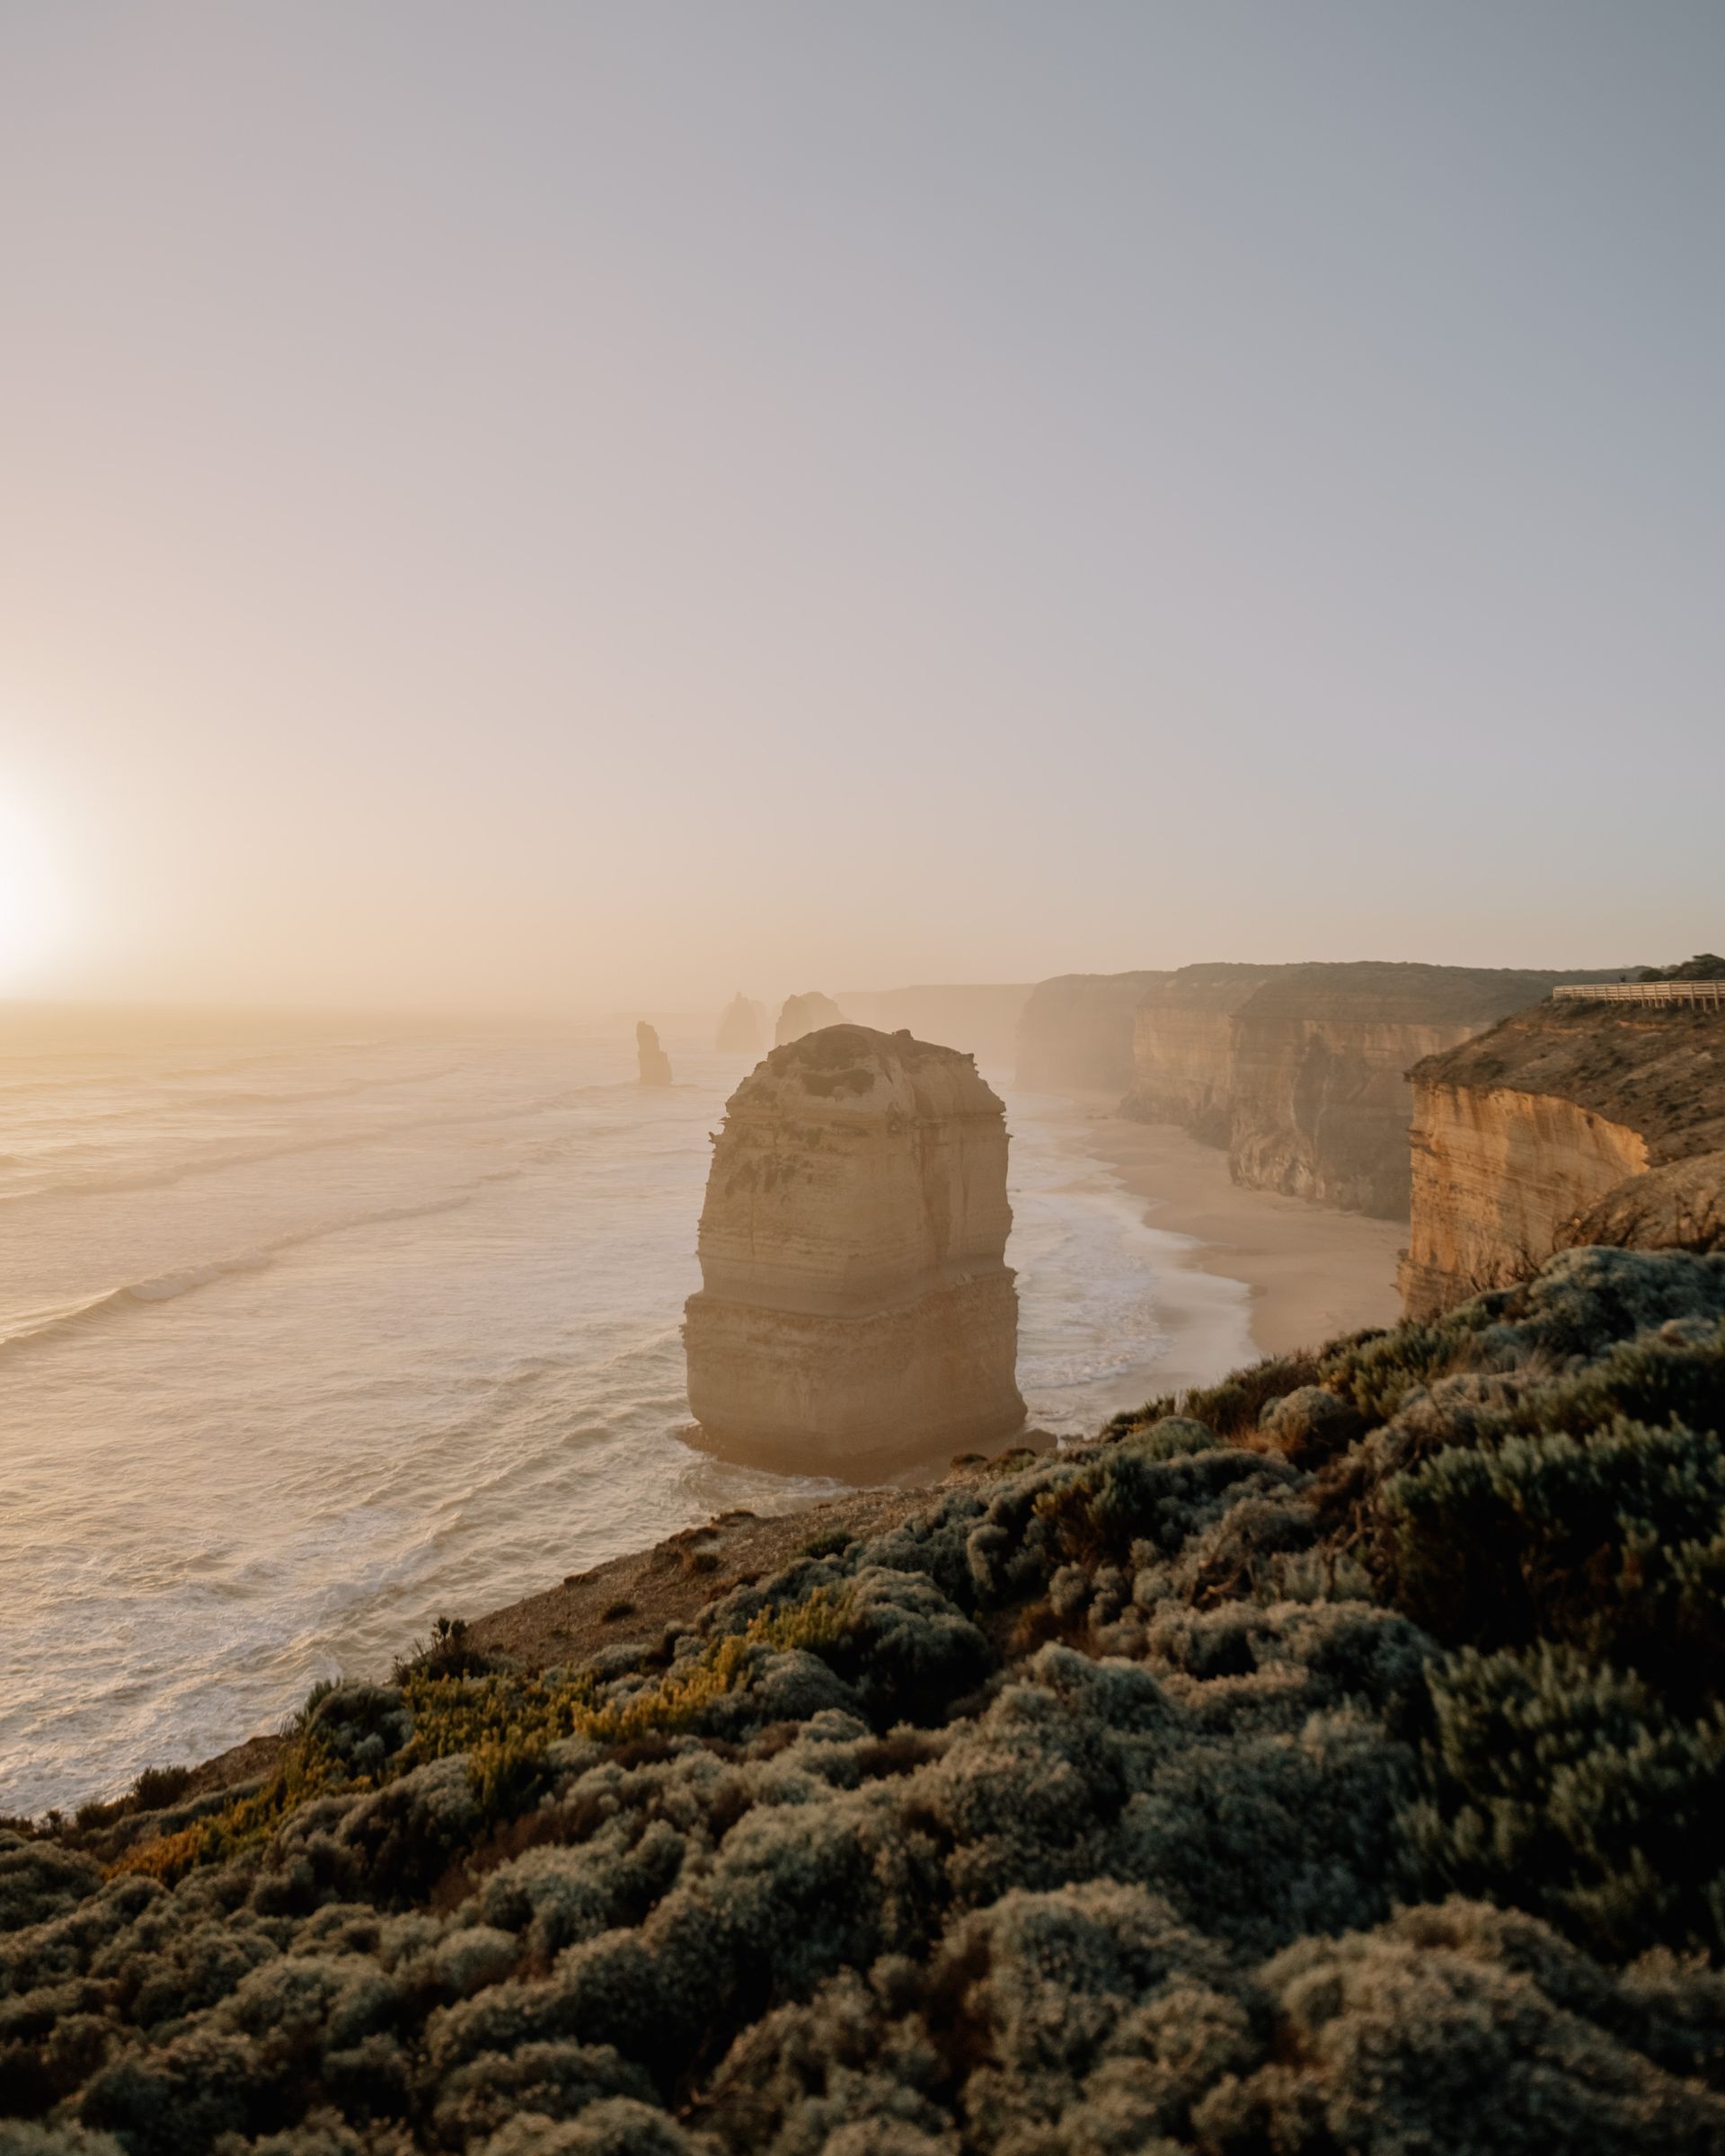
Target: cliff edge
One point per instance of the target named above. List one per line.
(1569, 1122)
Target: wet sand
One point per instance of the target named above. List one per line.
(1310, 1273)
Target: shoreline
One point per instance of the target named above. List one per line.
(1308, 1272)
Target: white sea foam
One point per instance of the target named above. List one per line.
(395, 1331)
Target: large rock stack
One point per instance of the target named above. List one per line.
(856, 1312)
(741, 1026)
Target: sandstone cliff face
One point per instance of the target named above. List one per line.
(655, 1064)
(800, 1015)
(1568, 1123)
(855, 1310)
(1076, 1030)
(1298, 1070)
(1182, 1050)
(742, 1027)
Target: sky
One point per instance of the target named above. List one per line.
(574, 505)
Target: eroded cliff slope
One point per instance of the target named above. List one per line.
(856, 1312)
(1569, 1122)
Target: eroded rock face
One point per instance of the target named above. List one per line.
(1300, 1069)
(655, 1064)
(856, 1311)
(1182, 1050)
(1567, 1123)
(742, 1027)
(800, 1015)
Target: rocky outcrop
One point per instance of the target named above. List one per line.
(655, 1064)
(1182, 1048)
(1076, 1030)
(800, 1015)
(855, 1311)
(1570, 1123)
(1299, 1070)
(742, 1027)
(982, 1021)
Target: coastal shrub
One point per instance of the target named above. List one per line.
(1329, 1765)
(1614, 1542)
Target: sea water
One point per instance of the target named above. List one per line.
(313, 1330)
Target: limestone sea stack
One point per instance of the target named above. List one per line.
(856, 1312)
(803, 1014)
(741, 1031)
(655, 1064)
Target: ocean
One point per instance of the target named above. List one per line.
(312, 1330)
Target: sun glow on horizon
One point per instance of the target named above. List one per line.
(33, 909)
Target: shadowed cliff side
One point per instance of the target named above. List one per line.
(1569, 1122)
(856, 1314)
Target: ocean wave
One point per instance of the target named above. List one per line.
(179, 1171)
(30, 1326)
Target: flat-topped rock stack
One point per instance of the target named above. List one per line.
(856, 1312)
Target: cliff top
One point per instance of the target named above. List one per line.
(1660, 1073)
(1406, 993)
(1212, 987)
(862, 1071)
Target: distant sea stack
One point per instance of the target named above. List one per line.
(1575, 1122)
(655, 1064)
(803, 1014)
(856, 1312)
(742, 1028)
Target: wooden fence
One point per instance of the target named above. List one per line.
(1642, 992)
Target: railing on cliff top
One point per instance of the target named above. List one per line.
(1642, 992)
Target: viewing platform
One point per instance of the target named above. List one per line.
(1642, 992)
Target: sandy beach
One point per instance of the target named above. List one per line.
(1309, 1273)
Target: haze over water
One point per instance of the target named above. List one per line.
(312, 1330)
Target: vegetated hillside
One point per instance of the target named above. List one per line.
(1331, 1765)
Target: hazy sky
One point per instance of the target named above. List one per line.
(612, 503)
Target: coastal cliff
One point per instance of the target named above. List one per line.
(1182, 1048)
(855, 1308)
(1299, 1070)
(1076, 1030)
(1568, 1123)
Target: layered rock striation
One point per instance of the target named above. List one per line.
(855, 1310)
(654, 1063)
(1300, 1069)
(742, 1027)
(1182, 1048)
(800, 1015)
(1570, 1123)
(1076, 1030)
